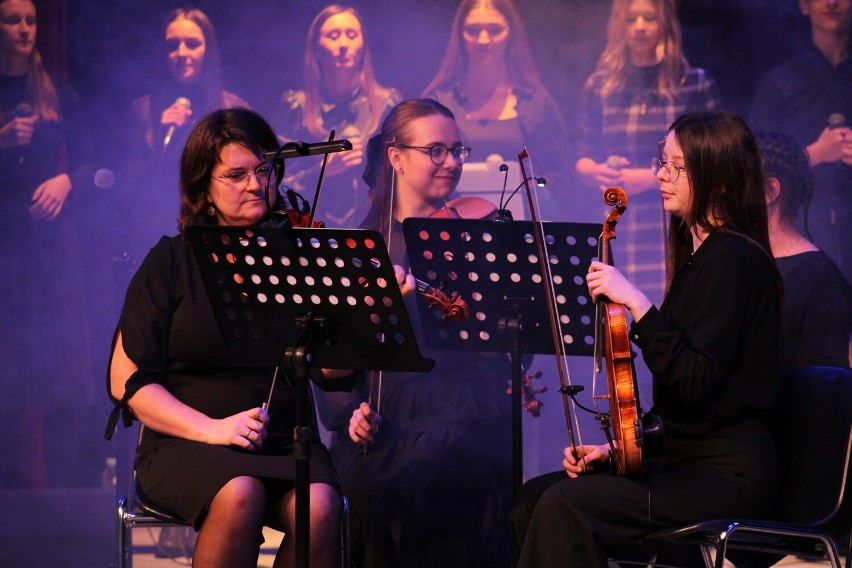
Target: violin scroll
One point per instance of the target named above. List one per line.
(451, 305)
(528, 400)
(616, 198)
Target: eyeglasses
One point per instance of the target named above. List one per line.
(438, 153)
(240, 178)
(673, 170)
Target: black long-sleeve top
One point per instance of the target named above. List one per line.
(713, 350)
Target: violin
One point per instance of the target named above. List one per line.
(466, 207)
(622, 426)
(301, 219)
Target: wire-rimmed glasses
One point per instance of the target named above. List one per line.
(673, 170)
(239, 178)
(438, 152)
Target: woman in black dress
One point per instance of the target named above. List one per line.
(433, 486)
(211, 453)
(712, 347)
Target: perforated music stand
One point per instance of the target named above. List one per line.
(494, 266)
(305, 297)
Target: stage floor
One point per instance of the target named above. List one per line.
(69, 528)
(145, 540)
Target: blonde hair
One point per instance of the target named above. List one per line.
(616, 55)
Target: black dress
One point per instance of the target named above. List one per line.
(435, 487)
(817, 312)
(170, 333)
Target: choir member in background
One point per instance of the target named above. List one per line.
(189, 83)
(46, 169)
(641, 84)
(340, 92)
(808, 97)
(490, 81)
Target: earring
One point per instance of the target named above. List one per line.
(401, 171)
(211, 211)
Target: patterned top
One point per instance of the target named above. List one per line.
(630, 123)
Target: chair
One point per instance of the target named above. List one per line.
(814, 436)
(137, 511)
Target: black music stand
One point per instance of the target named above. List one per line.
(494, 266)
(305, 297)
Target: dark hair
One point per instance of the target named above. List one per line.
(203, 149)
(724, 172)
(785, 160)
(212, 80)
(377, 173)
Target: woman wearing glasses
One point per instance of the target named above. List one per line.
(211, 453)
(340, 92)
(712, 347)
(424, 458)
(641, 84)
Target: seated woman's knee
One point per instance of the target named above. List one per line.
(244, 493)
(326, 505)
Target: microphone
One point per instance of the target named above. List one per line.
(105, 180)
(539, 182)
(505, 169)
(616, 162)
(23, 110)
(503, 214)
(836, 120)
(183, 102)
(301, 149)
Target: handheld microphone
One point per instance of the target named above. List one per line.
(836, 120)
(183, 102)
(616, 162)
(23, 110)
